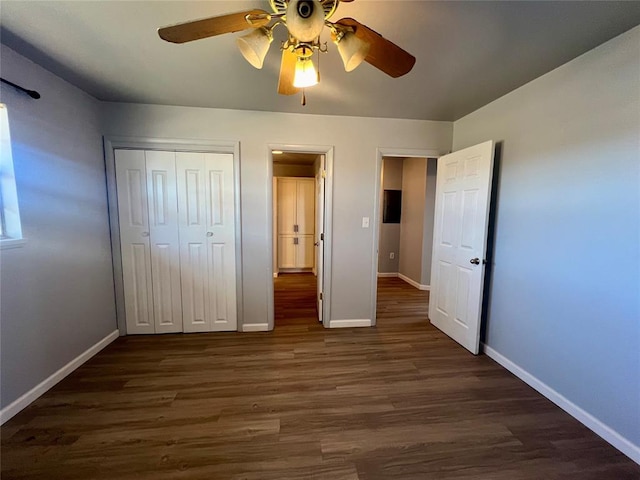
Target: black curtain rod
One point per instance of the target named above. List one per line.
(31, 93)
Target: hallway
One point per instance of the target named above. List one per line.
(295, 300)
(398, 302)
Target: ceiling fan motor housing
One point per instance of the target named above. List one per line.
(305, 19)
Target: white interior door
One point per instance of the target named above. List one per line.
(463, 189)
(164, 241)
(319, 235)
(207, 241)
(131, 181)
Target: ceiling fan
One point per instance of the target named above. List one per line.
(305, 21)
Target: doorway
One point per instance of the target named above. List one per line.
(300, 208)
(404, 235)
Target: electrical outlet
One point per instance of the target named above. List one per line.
(392, 255)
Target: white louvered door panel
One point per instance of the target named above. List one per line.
(165, 246)
(131, 184)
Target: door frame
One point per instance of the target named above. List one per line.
(377, 209)
(112, 143)
(327, 151)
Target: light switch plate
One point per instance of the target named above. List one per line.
(365, 222)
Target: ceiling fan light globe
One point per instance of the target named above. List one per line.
(352, 50)
(305, 75)
(255, 45)
(305, 29)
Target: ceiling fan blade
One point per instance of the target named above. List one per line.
(383, 54)
(209, 27)
(287, 72)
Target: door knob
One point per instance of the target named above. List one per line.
(475, 261)
(145, 234)
(209, 234)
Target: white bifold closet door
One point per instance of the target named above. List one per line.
(148, 213)
(177, 236)
(207, 241)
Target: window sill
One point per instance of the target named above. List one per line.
(12, 243)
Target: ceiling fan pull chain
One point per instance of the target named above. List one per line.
(304, 98)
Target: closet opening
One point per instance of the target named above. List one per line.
(298, 187)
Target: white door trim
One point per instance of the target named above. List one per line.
(327, 151)
(387, 152)
(112, 143)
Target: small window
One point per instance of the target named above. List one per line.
(10, 227)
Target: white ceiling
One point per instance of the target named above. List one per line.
(468, 53)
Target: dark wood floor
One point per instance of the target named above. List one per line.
(399, 401)
(294, 300)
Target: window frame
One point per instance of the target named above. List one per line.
(10, 222)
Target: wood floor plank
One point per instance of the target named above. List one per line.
(398, 401)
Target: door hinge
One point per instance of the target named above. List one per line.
(324, 174)
(322, 237)
(320, 295)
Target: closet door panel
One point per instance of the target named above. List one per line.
(194, 287)
(287, 193)
(206, 205)
(133, 217)
(221, 237)
(287, 251)
(305, 206)
(305, 252)
(192, 217)
(165, 247)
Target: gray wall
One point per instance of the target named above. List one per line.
(414, 180)
(57, 290)
(389, 232)
(355, 176)
(429, 212)
(565, 295)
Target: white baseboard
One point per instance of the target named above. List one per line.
(32, 395)
(255, 327)
(388, 274)
(413, 282)
(365, 322)
(607, 433)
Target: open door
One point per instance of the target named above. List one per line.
(319, 242)
(463, 189)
